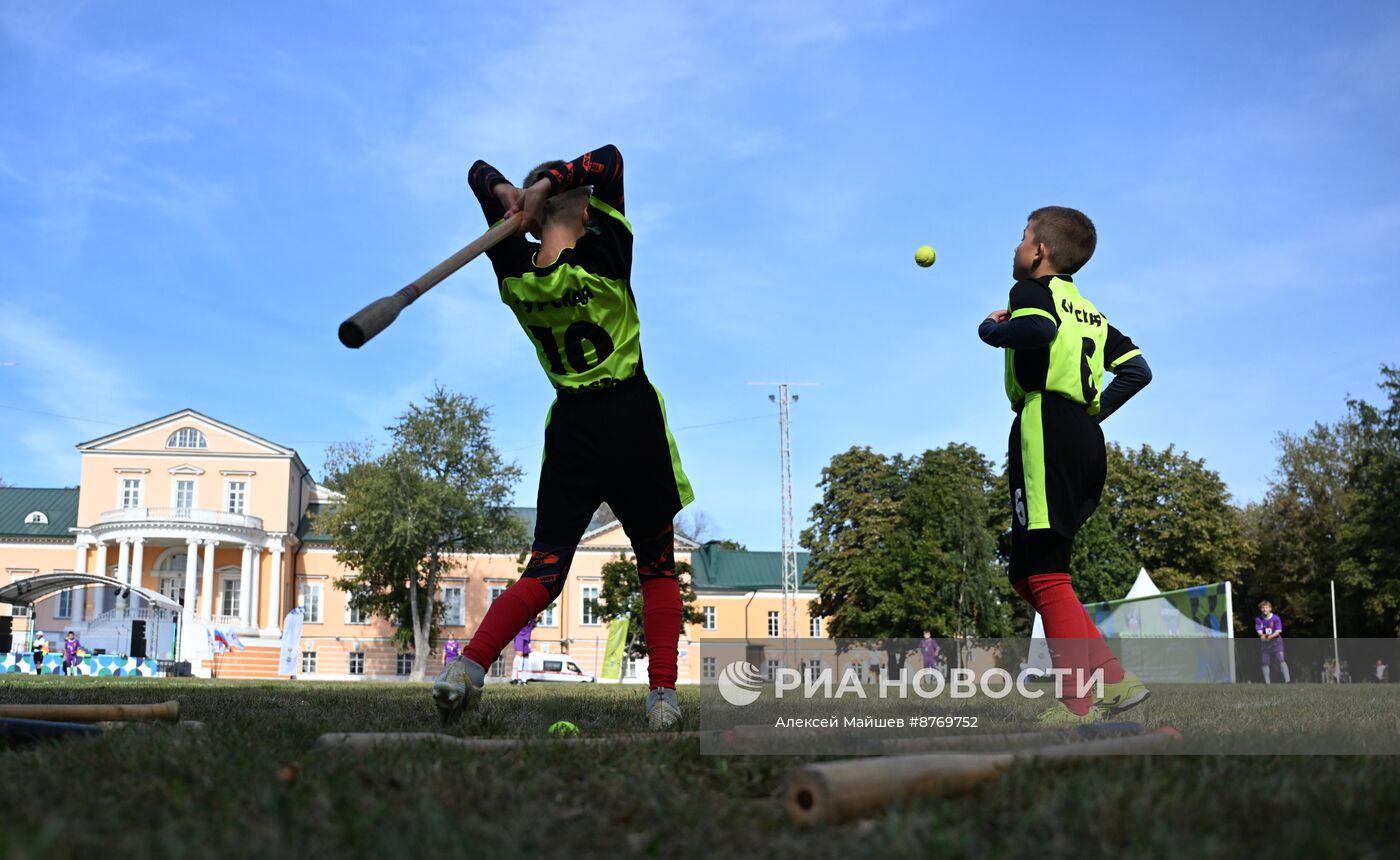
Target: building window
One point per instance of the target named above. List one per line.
(590, 604)
(773, 624)
(36, 518)
(229, 596)
(707, 669)
(403, 665)
(452, 597)
(772, 669)
(236, 497)
(354, 615)
(308, 662)
(498, 668)
(186, 437)
(814, 668)
(65, 605)
(357, 662)
(173, 587)
(814, 627)
(493, 592)
(709, 618)
(184, 495)
(311, 602)
(131, 492)
(550, 617)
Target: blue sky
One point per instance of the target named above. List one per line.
(192, 196)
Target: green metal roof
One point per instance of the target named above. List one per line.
(716, 569)
(17, 503)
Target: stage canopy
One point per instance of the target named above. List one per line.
(28, 591)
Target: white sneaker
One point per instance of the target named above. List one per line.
(663, 711)
(457, 690)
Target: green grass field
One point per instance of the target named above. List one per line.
(250, 786)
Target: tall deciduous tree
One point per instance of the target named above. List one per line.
(1175, 515)
(621, 597)
(1370, 536)
(902, 545)
(440, 492)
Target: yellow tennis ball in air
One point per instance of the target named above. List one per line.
(563, 728)
(925, 256)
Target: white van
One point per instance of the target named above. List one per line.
(543, 666)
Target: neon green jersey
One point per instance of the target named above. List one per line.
(1073, 364)
(579, 309)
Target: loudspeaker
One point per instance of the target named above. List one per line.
(138, 640)
(7, 639)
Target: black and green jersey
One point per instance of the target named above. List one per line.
(1072, 364)
(579, 310)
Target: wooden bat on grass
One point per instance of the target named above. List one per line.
(167, 711)
(841, 789)
(377, 315)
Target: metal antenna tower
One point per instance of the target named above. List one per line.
(788, 629)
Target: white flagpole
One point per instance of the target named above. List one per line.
(1336, 653)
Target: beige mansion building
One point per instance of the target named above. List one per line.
(221, 524)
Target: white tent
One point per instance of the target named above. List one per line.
(1039, 657)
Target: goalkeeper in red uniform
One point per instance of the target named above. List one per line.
(606, 438)
(1057, 345)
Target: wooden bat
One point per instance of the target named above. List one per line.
(372, 740)
(377, 315)
(841, 789)
(167, 711)
(15, 732)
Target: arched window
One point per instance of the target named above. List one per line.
(36, 518)
(186, 437)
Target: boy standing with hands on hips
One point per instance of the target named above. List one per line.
(1057, 345)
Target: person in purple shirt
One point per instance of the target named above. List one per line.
(450, 650)
(522, 652)
(928, 649)
(1270, 629)
(71, 646)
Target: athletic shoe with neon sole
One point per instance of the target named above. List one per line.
(1127, 693)
(663, 711)
(1059, 715)
(457, 690)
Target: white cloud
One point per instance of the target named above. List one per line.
(59, 372)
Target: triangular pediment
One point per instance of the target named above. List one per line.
(612, 536)
(156, 436)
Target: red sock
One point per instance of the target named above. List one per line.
(507, 615)
(1100, 655)
(1063, 616)
(661, 621)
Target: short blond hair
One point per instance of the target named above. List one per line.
(564, 201)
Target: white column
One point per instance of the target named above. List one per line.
(245, 586)
(191, 587)
(79, 566)
(101, 565)
(80, 558)
(124, 562)
(274, 600)
(207, 601)
(136, 564)
(256, 602)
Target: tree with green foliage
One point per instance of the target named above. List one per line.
(1370, 534)
(902, 545)
(1296, 530)
(621, 597)
(408, 515)
(1175, 517)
